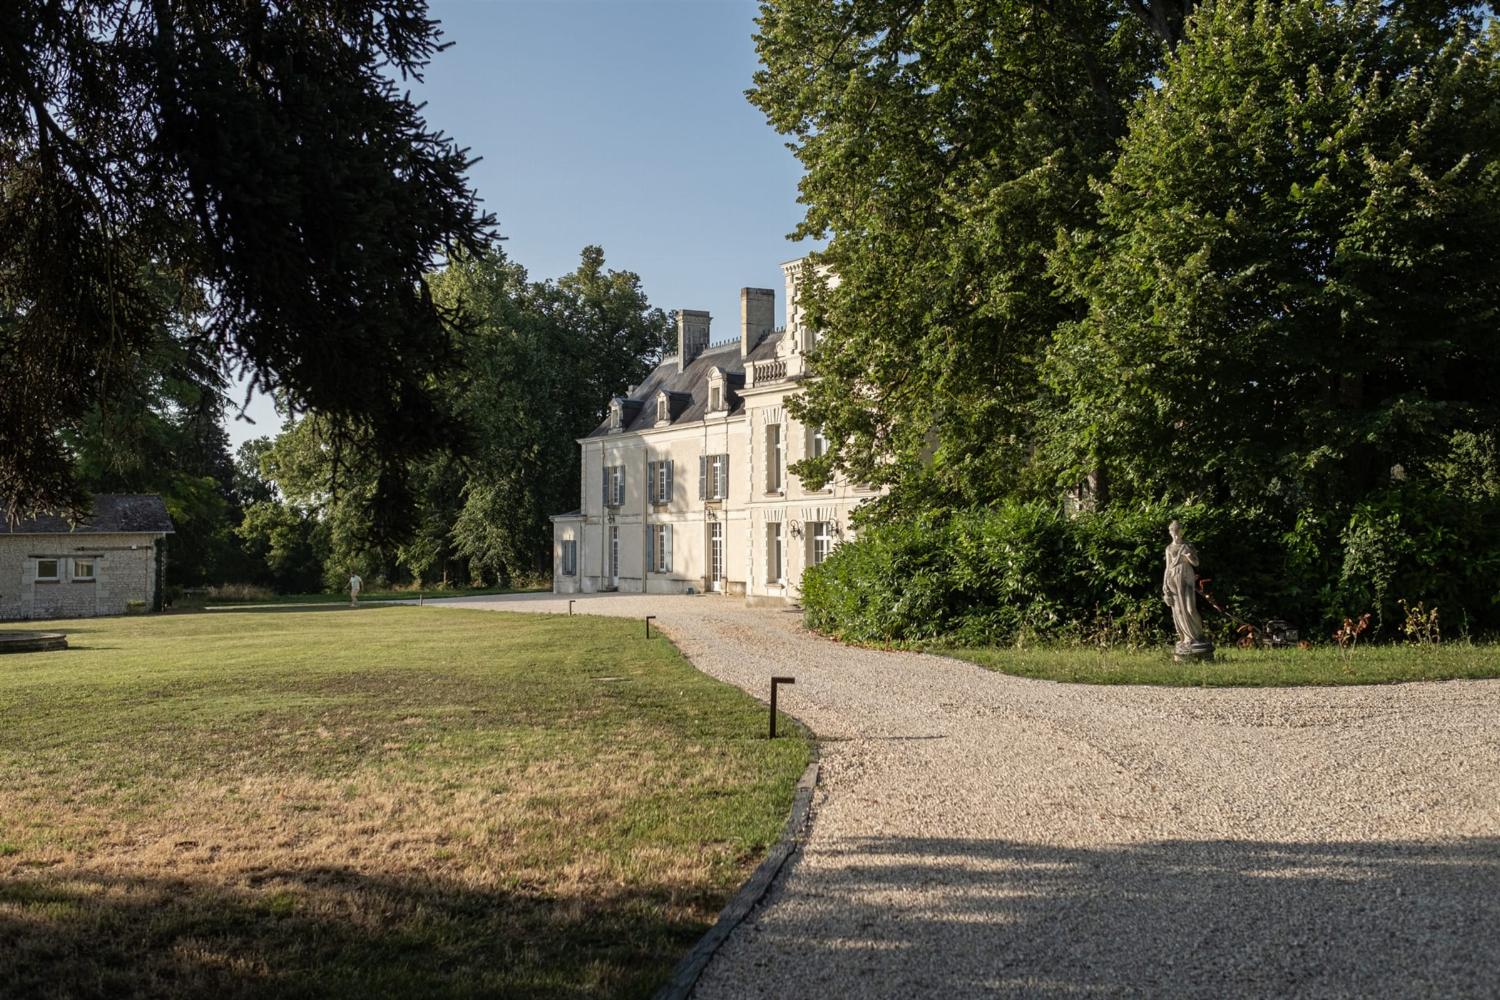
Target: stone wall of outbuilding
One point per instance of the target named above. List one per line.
(124, 574)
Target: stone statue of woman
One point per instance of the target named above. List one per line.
(1179, 588)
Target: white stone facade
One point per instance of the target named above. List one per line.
(685, 487)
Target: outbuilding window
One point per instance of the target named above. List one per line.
(569, 557)
(83, 570)
(48, 570)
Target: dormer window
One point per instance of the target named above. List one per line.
(616, 415)
(663, 409)
(718, 401)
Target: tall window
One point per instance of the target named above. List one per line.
(822, 540)
(817, 447)
(715, 399)
(715, 555)
(569, 557)
(661, 548)
(659, 478)
(614, 486)
(775, 563)
(775, 458)
(663, 411)
(713, 477)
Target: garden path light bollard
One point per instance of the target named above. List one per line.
(774, 682)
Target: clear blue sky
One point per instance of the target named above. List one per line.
(621, 123)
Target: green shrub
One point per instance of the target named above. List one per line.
(1020, 572)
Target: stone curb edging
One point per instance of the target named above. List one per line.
(685, 977)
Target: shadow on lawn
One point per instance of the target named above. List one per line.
(1201, 919)
(329, 932)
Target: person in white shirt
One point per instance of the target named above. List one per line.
(354, 584)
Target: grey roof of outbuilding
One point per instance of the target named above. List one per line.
(113, 514)
(691, 382)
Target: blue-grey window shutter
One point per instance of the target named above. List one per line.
(604, 478)
(666, 489)
(666, 544)
(702, 477)
(724, 485)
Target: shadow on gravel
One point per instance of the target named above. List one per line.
(940, 917)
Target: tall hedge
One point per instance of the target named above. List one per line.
(1026, 571)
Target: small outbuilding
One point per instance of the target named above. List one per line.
(108, 563)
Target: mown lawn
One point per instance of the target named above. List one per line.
(1234, 667)
(395, 802)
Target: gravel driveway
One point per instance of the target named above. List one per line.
(981, 835)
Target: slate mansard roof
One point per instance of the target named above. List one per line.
(688, 389)
(113, 514)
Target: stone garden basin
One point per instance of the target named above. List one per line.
(31, 642)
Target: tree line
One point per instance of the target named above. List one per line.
(536, 368)
(1233, 261)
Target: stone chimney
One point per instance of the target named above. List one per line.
(692, 335)
(757, 316)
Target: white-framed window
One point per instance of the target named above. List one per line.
(48, 570)
(569, 557)
(715, 399)
(663, 410)
(821, 535)
(775, 554)
(817, 444)
(83, 569)
(659, 476)
(775, 459)
(713, 477)
(661, 548)
(614, 486)
(616, 416)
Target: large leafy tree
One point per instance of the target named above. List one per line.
(162, 432)
(261, 156)
(541, 368)
(1295, 286)
(944, 144)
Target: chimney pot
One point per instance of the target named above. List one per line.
(692, 335)
(757, 316)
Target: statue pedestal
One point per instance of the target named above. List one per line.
(1196, 652)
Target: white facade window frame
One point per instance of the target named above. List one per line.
(569, 557)
(775, 459)
(775, 554)
(713, 477)
(55, 576)
(661, 548)
(85, 569)
(660, 481)
(614, 486)
(820, 541)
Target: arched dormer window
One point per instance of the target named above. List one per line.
(718, 400)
